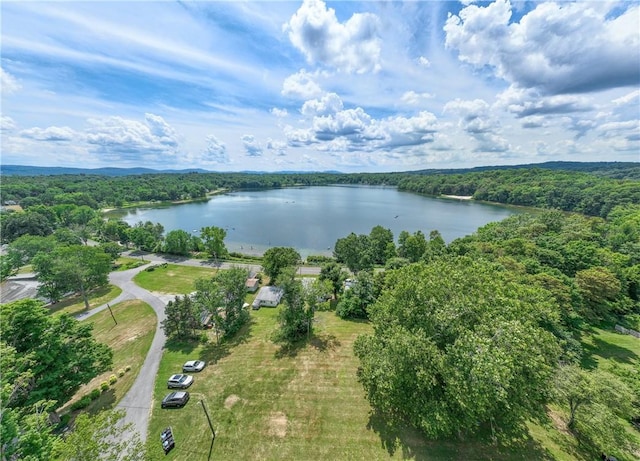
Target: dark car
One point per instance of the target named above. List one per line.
(176, 399)
(179, 381)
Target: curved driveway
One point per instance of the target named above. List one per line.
(137, 403)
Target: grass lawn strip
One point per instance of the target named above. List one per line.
(75, 304)
(130, 340)
(172, 278)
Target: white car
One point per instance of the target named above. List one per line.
(179, 381)
(193, 365)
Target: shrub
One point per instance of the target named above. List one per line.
(94, 394)
(120, 373)
(319, 259)
(104, 386)
(113, 379)
(80, 404)
(127, 368)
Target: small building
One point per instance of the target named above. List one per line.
(252, 285)
(267, 296)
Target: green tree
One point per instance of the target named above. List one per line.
(412, 246)
(99, 437)
(14, 225)
(177, 242)
(294, 319)
(76, 268)
(213, 241)
(355, 252)
(599, 407)
(223, 296)
(458, 345)
(317, 292)
(146, 236)
(275, 259)
(60, 351)
(599, 287)
(182, 318)
(333, 273)
(357, 299)
(382, 246)
(9, 265)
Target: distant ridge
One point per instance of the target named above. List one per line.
(25, 170)
(594, 167)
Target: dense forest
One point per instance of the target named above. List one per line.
(593, 191)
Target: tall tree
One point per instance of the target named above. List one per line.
(458, 345)
(382, 246)
(177, 242)
(223, 296)
(355, 252)
(294, 319)
(213, 240)
(275, 259)
(356, 300)
(333, 272)
(182, 318)
(60, 351)
(76, 268)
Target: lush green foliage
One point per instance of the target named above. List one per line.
(223, 297)
(182, 319)
(458, 345)
(296, 317)
(356, 300)
(334, 273)
(213, 241)
(276, 259)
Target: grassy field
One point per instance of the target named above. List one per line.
(130, 340)
(269, 403)
(172, 278)
(75, 304)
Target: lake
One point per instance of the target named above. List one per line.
(311, 219)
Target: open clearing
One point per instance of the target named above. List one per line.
(269, 403)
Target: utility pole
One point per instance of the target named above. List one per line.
(213, 432)
(112, 316)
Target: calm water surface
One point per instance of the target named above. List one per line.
(311, 219)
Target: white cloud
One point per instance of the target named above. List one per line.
(7, 124)
(251, 146)
(424, 62)
(629, 98)
(280, 113)
(330, 103)
(8, 82)
(277, 147)
(116, 137)
(215, 151)
(350, 47)
(413, 98)
(52, 133)
(556, 48)
(301, 85)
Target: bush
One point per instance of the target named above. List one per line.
(120, 373)
(127, 368)
(150, 268)
(80, 404)
(104, 386)
(94, 394)
(319, 259)
(113, 379)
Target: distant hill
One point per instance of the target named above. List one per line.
(617, 170)
(25, 170)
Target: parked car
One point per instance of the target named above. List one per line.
(179, 381)
(193, 365)
(175, 399)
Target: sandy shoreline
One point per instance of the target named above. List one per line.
(459, 197)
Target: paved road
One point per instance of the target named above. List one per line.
(137, 403)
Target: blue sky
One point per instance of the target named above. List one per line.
(314, 86)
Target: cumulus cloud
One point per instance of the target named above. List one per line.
(52, 133)
(215, 151)
(131, 139)
(280, 113)
(556, 48)
(8, 82)
(330, 103)
(474, 115)
(413, 98)
(251, 145)
(7, 124)
(279, 148)
(301, 85)
(525, 103)
(352, 47)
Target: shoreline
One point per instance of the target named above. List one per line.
(458, 197)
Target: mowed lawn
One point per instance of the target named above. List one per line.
(267, 403)
(172, 278)
(130, 340)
